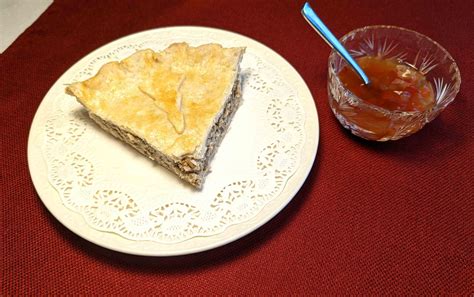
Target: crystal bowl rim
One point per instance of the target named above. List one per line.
(360, 101)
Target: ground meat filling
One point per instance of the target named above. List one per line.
(188, 168)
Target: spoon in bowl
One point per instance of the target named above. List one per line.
(318, 25)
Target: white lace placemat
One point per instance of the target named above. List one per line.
(117, 190)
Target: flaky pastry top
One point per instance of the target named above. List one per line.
(169, 98)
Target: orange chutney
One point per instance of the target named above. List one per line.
(394, 85)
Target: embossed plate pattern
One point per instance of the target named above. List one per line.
(112, 196)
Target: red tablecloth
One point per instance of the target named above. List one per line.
(391, 217)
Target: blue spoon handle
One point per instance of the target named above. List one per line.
(318, 25)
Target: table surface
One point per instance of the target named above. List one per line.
(16, 16)
(392, 217)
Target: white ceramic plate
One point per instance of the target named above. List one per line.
(76, 223)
